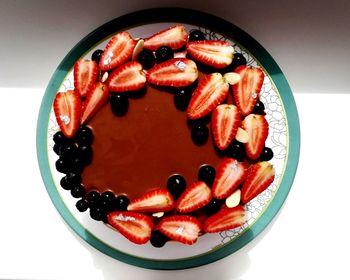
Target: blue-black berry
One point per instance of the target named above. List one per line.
(213, 206)
(146, 58)
(176, 184)
(96, 56)
(182, 97)
(78, 191)
(164, 53)
(122, 202)
(199, 134)
(119, 104)
(259, 108)
(196, 35)
(158, 239)
(82, 205)
(266, 154)
(85, 135)
(206, 173)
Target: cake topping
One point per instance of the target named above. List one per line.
(85, 76)
(225, 219)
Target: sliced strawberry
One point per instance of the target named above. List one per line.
(181, 228)
(246, 92)
(85, 76)
(118, 50)
(258, 129)
(94, 101)
(127, 77)
(158, 200)
(215, 53)
(260, 177)
(174, 37)
(194, 197)
(67, 108)
(176, 72)
(229, 175)
(210, 92)
(136, 227)
(225, 219)
(225, 122)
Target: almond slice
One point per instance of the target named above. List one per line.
(234, 199)
(158, 214)
(242, 135)
(138, 48)
(104, 77)
(232, 78)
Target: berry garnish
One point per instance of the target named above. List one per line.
(225, 219)
(236, 150)
(199, 134)
(59, 138)
(238, 60)
(85, 154)
(71, 179)
(158, 239)
(78, 191)
(158, 200)
(68, 151)
(96, 56)
(77, 166)
(146, 58)
(85, 76)
(84, 135)
(62, 165)
(206, 173)
(182, 97)
(82, 205)
(266, 154)
(97, 213)
(56, 149)
(65, 183)
(213, 206)
(108, 196)
(259, 108)
(176, 184)
(174, 37)
(164, 53)
(119, 104)
(196, 35)
(122, 202)
(93, 198)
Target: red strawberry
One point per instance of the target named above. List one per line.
(158, 200)
(127, 77)
(225, 219)
(210, 92)
(260, 176)
(225, 122)
(246, 92)
(85, 76)
(174, 37)
(118, 50)
(258, 129)
(181, 228)
(136, 227)
(94, 101)
(229, 175)
(176, 72)
(194, 197)
(67, 108)
(215, 53)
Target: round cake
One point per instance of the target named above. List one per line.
(163, 138)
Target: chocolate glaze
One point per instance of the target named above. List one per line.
(139, 151)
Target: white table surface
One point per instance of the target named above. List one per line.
(309, 238)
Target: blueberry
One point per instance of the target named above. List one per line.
(76, 166)
(62, 165)
(196, 35)
(59, 138)
(259, 108)
(96, 56)
(93, 198)
(97, 213)
(236, 150)
(122, 202)
(200, 134)
(206, 173)
(56, 149)
(65, 184)
(68, 151)
(266, 154)
(176, 184)
(158, 239)
(84, 135)
(182, 97)
(82, 205)
(146, 58)
(238, 60)
(108, 196)
(85, 154)
(213, 206)
(73, 178)
(78, 191)
(119, 104)
(164, 53)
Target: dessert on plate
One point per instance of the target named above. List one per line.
(163, 138)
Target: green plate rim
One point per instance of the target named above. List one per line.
(205, 20)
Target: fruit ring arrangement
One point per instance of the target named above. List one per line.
(225, 92)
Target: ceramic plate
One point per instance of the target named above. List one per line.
(281, 114)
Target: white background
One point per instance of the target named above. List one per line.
(309, 239)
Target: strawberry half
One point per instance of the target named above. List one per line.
(225, 219)
(67, 108)
(182, 228)
(159, 200)
(214, 53)
(258, 129)
(118, 50)
(176, 72)
(210, 92)
(85, 76)
(136, 227)
(229, 175)
(94, 101)
(246, 92)
(127, 77)
(174, 37)
(194, 197)
(225, 122)
(260, 177)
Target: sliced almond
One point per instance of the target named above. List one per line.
(232, 78)
(158, 214)
(104, 77)
(242, 135)
(138, 48)
(234, 199)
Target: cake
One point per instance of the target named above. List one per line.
(163, 138)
